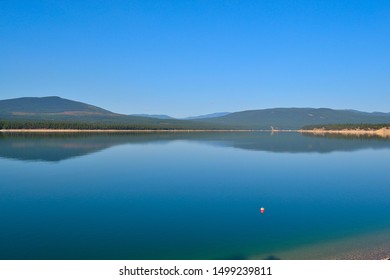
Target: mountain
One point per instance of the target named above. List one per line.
(47, 111)
(53, 105)
(381, 114)
(55, 112)
(161, 117)
(295, 118)
(208, 116)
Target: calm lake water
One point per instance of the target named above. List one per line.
(190, 195)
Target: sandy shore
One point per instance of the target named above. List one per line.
(383, 132)
(370, 246)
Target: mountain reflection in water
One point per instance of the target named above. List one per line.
(54, 147)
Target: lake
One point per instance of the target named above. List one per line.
(193, 196)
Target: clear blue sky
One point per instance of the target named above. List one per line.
(194, 57)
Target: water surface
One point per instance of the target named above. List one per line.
(190, 195)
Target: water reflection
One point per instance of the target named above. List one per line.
(57, 147)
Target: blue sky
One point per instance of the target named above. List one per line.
(194, 57)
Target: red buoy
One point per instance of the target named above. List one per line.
(262, 210)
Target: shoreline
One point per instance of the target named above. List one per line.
(121, 130)
(383, 132)
(136, 130)
(365, 246)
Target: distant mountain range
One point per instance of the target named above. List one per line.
(208, 116)
(64, 110)
(55, 109)
(296, 118)
(166, 117)
(161, 117)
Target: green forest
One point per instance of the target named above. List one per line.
(13, 124)
(60, 125)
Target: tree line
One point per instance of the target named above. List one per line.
(6, 124)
